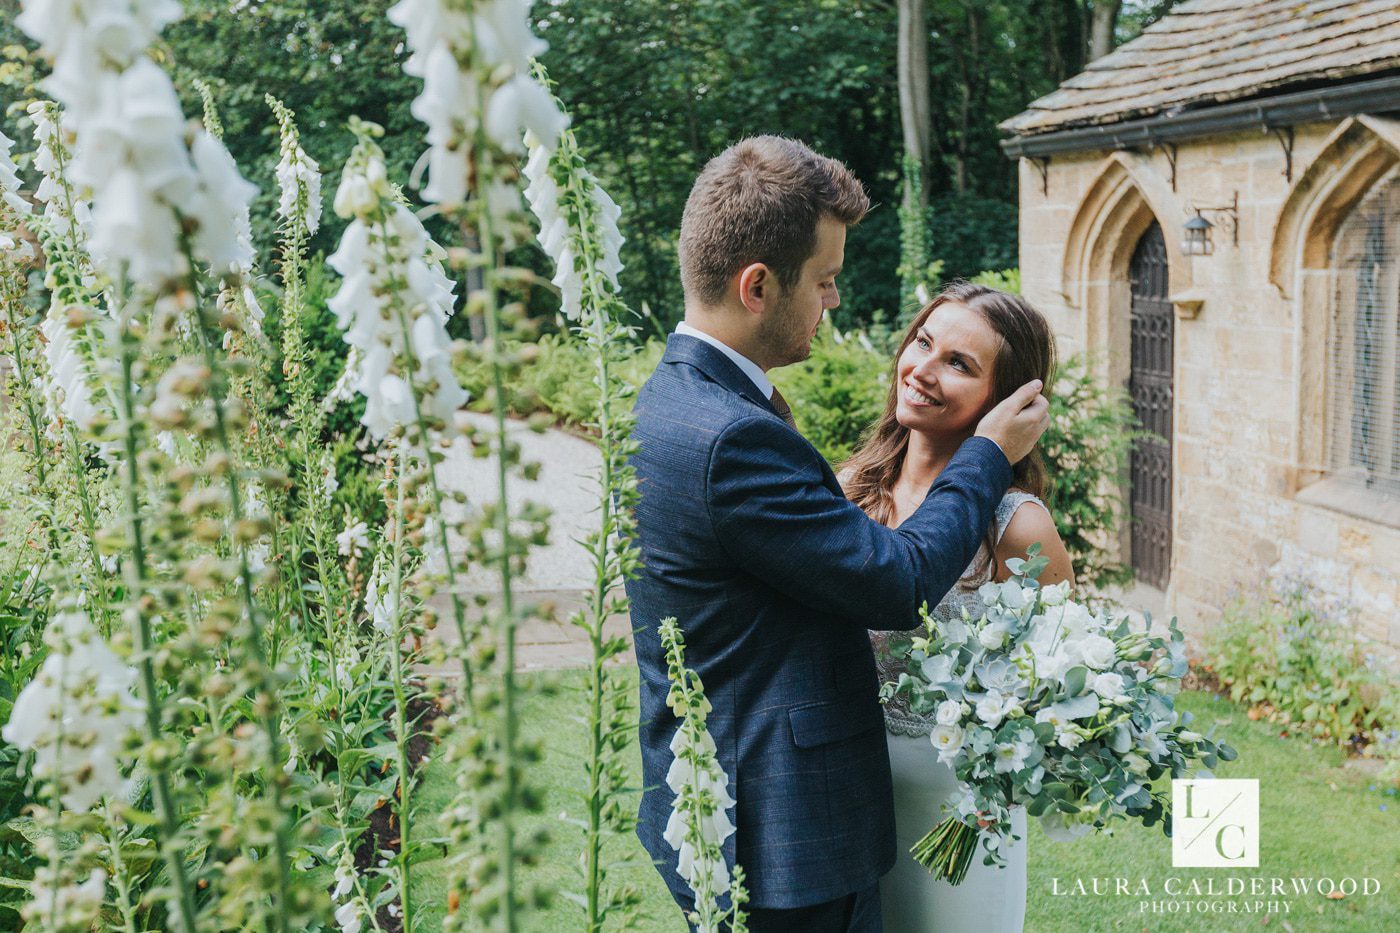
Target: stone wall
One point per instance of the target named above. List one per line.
(1250, 497)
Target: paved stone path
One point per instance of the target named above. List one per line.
(559, 573)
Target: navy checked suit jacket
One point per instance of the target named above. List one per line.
(775, 577)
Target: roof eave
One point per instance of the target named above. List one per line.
(1332, 102)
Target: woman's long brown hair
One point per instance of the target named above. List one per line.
(1027, 352)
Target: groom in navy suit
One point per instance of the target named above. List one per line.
(773, 575)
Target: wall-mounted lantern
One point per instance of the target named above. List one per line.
(1198, 240)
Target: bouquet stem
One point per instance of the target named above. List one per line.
(947, 850)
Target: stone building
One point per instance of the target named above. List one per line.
(1212, 212)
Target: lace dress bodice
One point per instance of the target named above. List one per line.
(899, 718)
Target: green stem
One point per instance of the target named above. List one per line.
(507, 619)
(168, 820)
(401, 725)
(596, 677)
(119, 871)
(270, 719)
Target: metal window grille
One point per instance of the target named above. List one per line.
(1363, 393)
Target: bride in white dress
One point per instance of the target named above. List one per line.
(965, 351)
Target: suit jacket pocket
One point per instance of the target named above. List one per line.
(815, 724)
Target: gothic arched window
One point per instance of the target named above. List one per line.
(1363, 403)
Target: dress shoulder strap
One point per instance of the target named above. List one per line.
(1009, 504)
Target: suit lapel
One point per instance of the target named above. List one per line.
(681, 348)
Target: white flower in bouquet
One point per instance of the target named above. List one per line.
(1060, 710)
(1096, 651)
(949, 712)
(993, 634)
(948, 740)
(1056, 594)
(1013, 755)
(1108, 685)
(993, 707)
(76, 713)
(1069, 740)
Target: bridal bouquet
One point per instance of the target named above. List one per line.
(1045, 704)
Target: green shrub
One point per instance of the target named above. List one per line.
(1086, 448)
(836, 393)
(1007, 280)
(561, 380)
(1294, 660)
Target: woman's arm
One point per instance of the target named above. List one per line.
(1031, 524)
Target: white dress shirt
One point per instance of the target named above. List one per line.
(747, 366)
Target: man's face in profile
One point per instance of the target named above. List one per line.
(792, 324)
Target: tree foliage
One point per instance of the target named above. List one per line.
(657, 87)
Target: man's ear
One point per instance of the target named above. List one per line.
(757, 287)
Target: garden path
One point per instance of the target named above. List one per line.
(559, 573)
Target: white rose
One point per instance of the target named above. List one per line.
(949, 712)
(1055, 595)
(991, 709)
(1097, 651)
(991, 637)
(1108, 685)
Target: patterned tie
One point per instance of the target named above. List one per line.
(781, 406)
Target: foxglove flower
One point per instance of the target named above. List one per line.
(69, 369)
(224, 236)
(10, 184)
(393, 304)
(354, 540)
(130, 150)
(475, 66)
(69, 216)
(76, 713)
(699, 823)
(298, 183)
(57, 904)
(591, 230)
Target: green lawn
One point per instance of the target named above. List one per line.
(1318, 819)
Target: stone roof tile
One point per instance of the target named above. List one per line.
(1213, 51)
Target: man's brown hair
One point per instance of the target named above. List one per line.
(760, 201)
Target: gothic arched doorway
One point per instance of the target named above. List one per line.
(1150, 386)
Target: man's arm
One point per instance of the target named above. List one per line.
(777, 519)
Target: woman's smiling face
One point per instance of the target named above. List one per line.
(945, 374)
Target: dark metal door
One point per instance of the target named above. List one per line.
(1150, 385)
